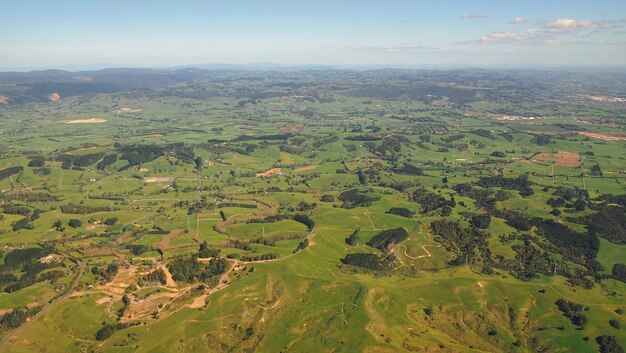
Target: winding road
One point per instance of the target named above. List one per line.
(79, 275)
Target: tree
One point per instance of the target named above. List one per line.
(75, 223)
(23, 223)
(388, 238)
(619, 272)
(199, 162)
(15, 318)
(481, 221)
(362, 177)
(354, 239)
(105, 332)
(110, 221)
(608, 344)
(328, 198)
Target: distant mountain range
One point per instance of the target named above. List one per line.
(203, 81)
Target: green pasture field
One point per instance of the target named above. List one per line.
(302, 297)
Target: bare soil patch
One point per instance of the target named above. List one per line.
(561, 158)
(53, 97)
(5, 100)
(169, 281)
(604, 137)
(198, 302)
(104, 300)
(165, 241)
(295, 128)
(269, 172)
(91, 252)
(122, 238)
(123, 278)
(158, 180)
(143, 308)
(304, 169)
(86, 121)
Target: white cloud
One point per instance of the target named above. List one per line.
(518, 20)
(502, 37)
(472, 16)
(552, 33)
(580, 42)
(569, 25)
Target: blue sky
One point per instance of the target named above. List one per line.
(415, 33)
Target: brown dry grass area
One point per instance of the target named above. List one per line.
(53, 97)
(198, 302)
(165, 241)
(123, 279)
(158, 180)
(91, 252)
(561, 158)
(269, 173)
(86, 121)
(104, 300)
(29, 305)
(296, 128)
(143, 309)
(92, 226)
(304, 169)
(169, 281)
(249, 134)
(122, 238)
(604, 137)
(5, 100)
(152, 136)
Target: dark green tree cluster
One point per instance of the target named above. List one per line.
(572, 311)
(482, 221)
(107, 272)
(17, 316)
(608, 344)
(353, 198)
(608, 223)
(619, 272)
(429, 201)
(468, 244)
(187, 268)
(388, 238)
(521, 183)
(82, 209)
(205, 251)
(401, 211)
(262, 257)
(365, 260)
(354, 239)
(108, 160)
(156, 276)
(7, 172)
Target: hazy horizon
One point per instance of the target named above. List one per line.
(409, 34)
